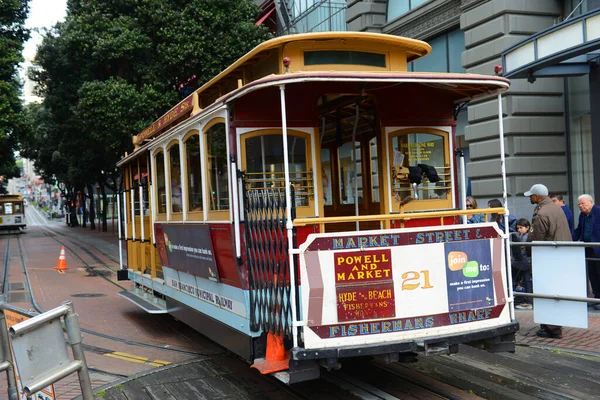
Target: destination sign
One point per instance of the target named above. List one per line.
(407, 324)
(183, 107)
(364, 285)
(365, 302)
(397, 238)
(361, 266)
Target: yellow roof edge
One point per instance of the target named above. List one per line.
(416, 47)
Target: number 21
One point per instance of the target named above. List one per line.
(414, 276)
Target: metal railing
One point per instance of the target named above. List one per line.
(556, 244)
(402, 216)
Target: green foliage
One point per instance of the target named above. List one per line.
(12, 36)
(113, 67)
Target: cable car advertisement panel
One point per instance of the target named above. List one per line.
(392, 285)
(187, 248)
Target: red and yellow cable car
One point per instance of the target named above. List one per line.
(302, 207)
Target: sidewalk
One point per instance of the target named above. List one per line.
(584, 341)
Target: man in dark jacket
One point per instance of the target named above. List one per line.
(548, 224)
(588, 230)
(558, 200)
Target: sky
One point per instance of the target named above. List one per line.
(42, 14)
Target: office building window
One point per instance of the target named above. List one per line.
(396, 8)
(445, 56)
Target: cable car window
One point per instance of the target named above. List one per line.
(144, 183)
(8, 208)
(161, 194)
(1, 209)
(265, 165)
(326, 176)
(175, 178)
(428, 152)
(374, 170)
(194, 187)
(217, 167)
(350, 173)
(136, 195)
(327, 57)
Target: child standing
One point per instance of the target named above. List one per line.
(521, 263)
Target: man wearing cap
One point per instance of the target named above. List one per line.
(548, 224)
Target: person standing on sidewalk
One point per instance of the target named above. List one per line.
(558, 200)
(588, 230)
(548, 224)
(521, 263)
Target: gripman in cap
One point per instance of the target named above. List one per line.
(548, 224)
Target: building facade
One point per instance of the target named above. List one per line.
(548, 123)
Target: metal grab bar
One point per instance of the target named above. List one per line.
(400, 216)
(558, 244)
(557, 297)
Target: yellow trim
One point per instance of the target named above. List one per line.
(395, 58)
(416, 48)
(395, 217)
(184, 165)
(173, 143)
(212, 123)
(301, 211)
(214, 215)
(220, 215)
(177, 216)
(420, 205)
(195, 216)
(190, 133)
(159, 152)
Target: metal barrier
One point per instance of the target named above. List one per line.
(41, 354)
(268, 261)
(556, 244)
(5, 357)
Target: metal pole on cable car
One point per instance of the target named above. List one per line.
(142, 212)
(504, 200)
(355, 194)
(288, 213)
(133, 233)
(120, 233)
(463, 182)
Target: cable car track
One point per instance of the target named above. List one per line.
(39, 309)
(333, 383)
(363, 380)
(50, 233)
(5, 266)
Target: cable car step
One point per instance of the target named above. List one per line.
(153, 306)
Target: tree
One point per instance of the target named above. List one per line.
(112, 67)
(12, 36)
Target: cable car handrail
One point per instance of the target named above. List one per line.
(408, 189)
(400, 216)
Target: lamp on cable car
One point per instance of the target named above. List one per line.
(286, 63)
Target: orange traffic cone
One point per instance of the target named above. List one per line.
(277, 359)
(61, 266)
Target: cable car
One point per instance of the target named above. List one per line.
(12, 212)
(303, 207)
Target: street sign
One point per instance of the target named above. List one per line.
(13, 317)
